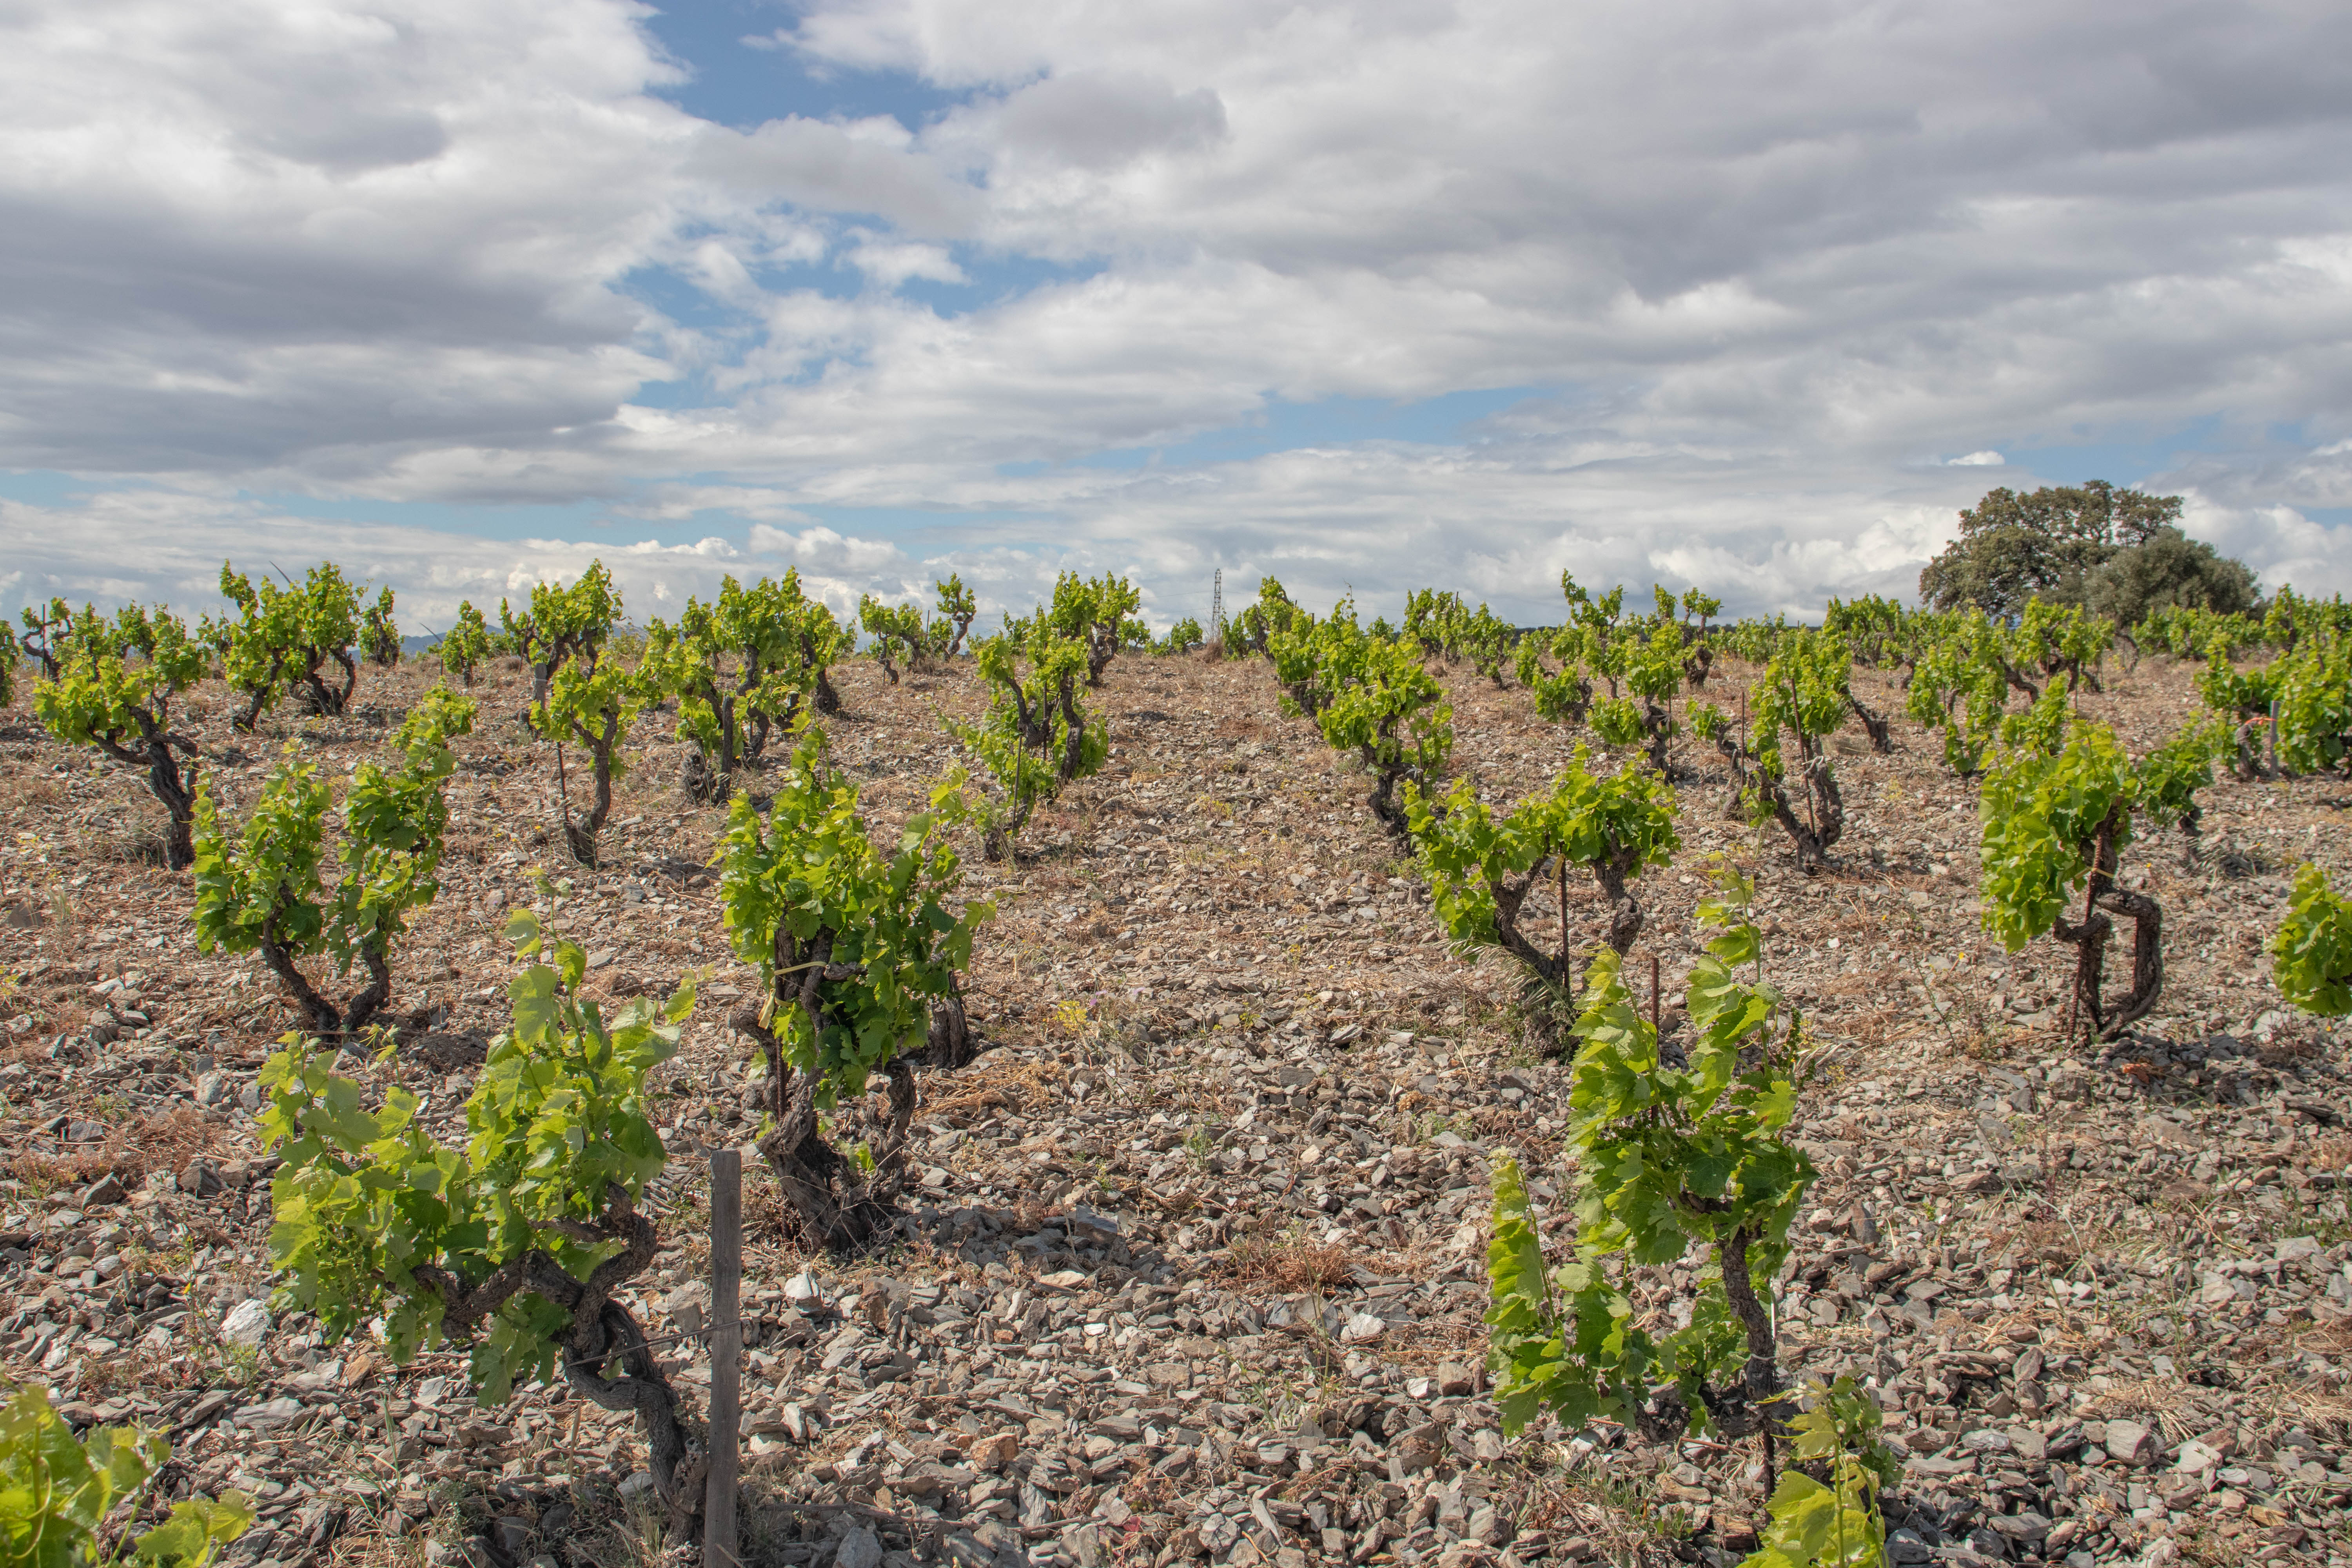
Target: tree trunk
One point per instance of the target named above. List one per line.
(950, 1044)
(841, 1209)
(175, 792)
(601, 1333)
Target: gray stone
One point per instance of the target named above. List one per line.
(247, 1324)
(2132, 1444)
(858, 1548)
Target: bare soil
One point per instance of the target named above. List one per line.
(1198, 1263)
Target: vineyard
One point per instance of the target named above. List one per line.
(1651, 1088)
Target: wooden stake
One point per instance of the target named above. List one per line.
(719, 1532)
(1567, 978)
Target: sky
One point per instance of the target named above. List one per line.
(464, 294)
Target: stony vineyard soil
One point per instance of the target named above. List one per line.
(1197, 1266)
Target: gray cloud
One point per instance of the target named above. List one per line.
(1787, 279)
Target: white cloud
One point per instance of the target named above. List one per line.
(399, 253)
(821, 549)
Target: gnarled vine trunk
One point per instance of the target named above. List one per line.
(1823, 823)
(601, 1333)
(845, 1204)
(1874, 723)
(174, 791)
(2102, 899)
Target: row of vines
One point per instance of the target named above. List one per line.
(1684, 1144)
(518, 1243)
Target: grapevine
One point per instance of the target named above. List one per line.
(467, 646)
(112, 690)
(898, 633)
(1804, 693)
(858, 953)
(1037, 735)
(261, 890)
(736, 669)
(1480, 870)
(1667, 1155)
(953, 623)
(580, 693)
(2055, 824)
(516, 1245)
(58, 1493)
(379, 633)
(2311, 953)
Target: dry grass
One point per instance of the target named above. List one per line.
(1285, 1267)
(1003, 1083)
(165, 1141)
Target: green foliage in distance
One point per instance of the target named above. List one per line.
(2291, 619)
(379, 633)
(858, 953)
(1258, 622)
(581, 693)
(1665, 1157)
(953, 623)
(1805, 693)
(2187, 632)
(113, 688)
(2055, 821)
(1182, 638)
(1448, 629)
(519, 1243)
(1391, 711)
(2168, 570)
(1836, 1523)
(1090, 612)
(57, 1490)
(2311, 953)
(898, 633)
(2013, 548)
(1480, 870)
(284, 639)
(468, 645)
(261, 890)
(1036, 735)
(738, 670)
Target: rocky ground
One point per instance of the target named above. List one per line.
(1197, 1268)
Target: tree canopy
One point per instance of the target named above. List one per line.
(2078, 543)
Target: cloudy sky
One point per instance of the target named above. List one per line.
(465, 292)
